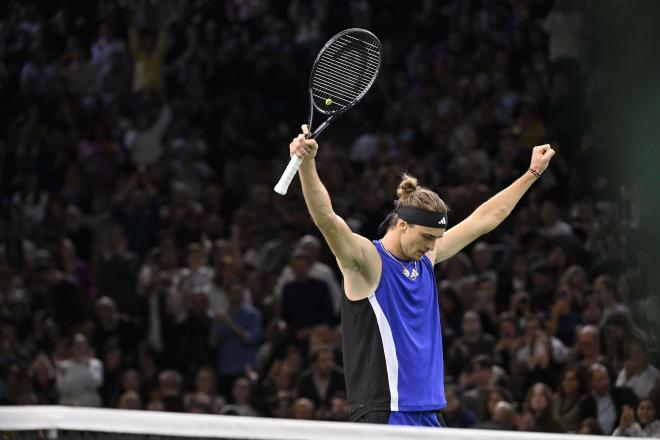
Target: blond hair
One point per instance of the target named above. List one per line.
(409, 193)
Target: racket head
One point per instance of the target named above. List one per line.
(344, 70)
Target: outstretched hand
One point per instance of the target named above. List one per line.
(302, 147)
(541, 156)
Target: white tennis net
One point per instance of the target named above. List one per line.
(58, 422)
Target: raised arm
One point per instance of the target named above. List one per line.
(353, 252)
(493, 212)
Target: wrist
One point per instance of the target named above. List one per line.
(308, 163)
(535, 172)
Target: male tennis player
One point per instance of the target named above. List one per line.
(390, 317)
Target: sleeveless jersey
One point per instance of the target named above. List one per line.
(393, 343)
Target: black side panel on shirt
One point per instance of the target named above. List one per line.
(367, 387)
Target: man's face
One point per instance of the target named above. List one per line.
(418, 240)
(600, 382)
(324, 363)
(588, 343)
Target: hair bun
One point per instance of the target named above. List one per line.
(407, 186)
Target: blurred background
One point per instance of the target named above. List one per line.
(146, 263)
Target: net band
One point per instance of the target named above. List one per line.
(132, 425)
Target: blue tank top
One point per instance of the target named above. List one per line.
(408, 318)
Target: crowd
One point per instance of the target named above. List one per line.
(146, 263)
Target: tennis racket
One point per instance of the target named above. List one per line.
(343, 72)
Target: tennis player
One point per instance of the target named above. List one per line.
(390, 318)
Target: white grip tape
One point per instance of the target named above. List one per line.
(288, 175)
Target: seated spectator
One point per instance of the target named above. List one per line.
(241, 395)
(637, 373)
(322, 380)
(647, 424)
(493, 397)
(473, 342)
(504, 417)
(129, 400)
(483, 377)
(454, 414)
(167, 396)
(590, 426)
(570, 394)
(205, 383)
(302, 409)
(508, 341)
(587, 349)
(338, 408)
(540, 356)
(605, 403)
(606, 293)
(42, 380)
(538, 403)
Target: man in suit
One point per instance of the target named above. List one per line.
(323, 380)
(605, 403)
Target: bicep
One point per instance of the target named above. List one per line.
(456, 238)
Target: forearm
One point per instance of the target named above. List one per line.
(497, 208)
(316, 195)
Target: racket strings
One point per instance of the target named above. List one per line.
(345, 71)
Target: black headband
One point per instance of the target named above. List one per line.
(422, 217)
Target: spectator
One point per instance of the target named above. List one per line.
(605, 404)
(454, 414)
(590, 426)
(79, 378)
(169, 393)
(59, 293)
(540, 355)
(484, 376)
(566, 402)
(149, 54)
(302, 409)
(647, 424)
(605, 291)
(42, 379)
(190, 348)
(638, 374)
(473, 342)
(311, 245)
(117, 272)
(237, 335)
(323, 380)
(111, 328)
(306, 302)
(539, 404)
(129, 400)
(587, 349)
(504, 416)
(241, 396)
(206, 384)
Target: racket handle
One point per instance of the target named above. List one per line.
(288, 175)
